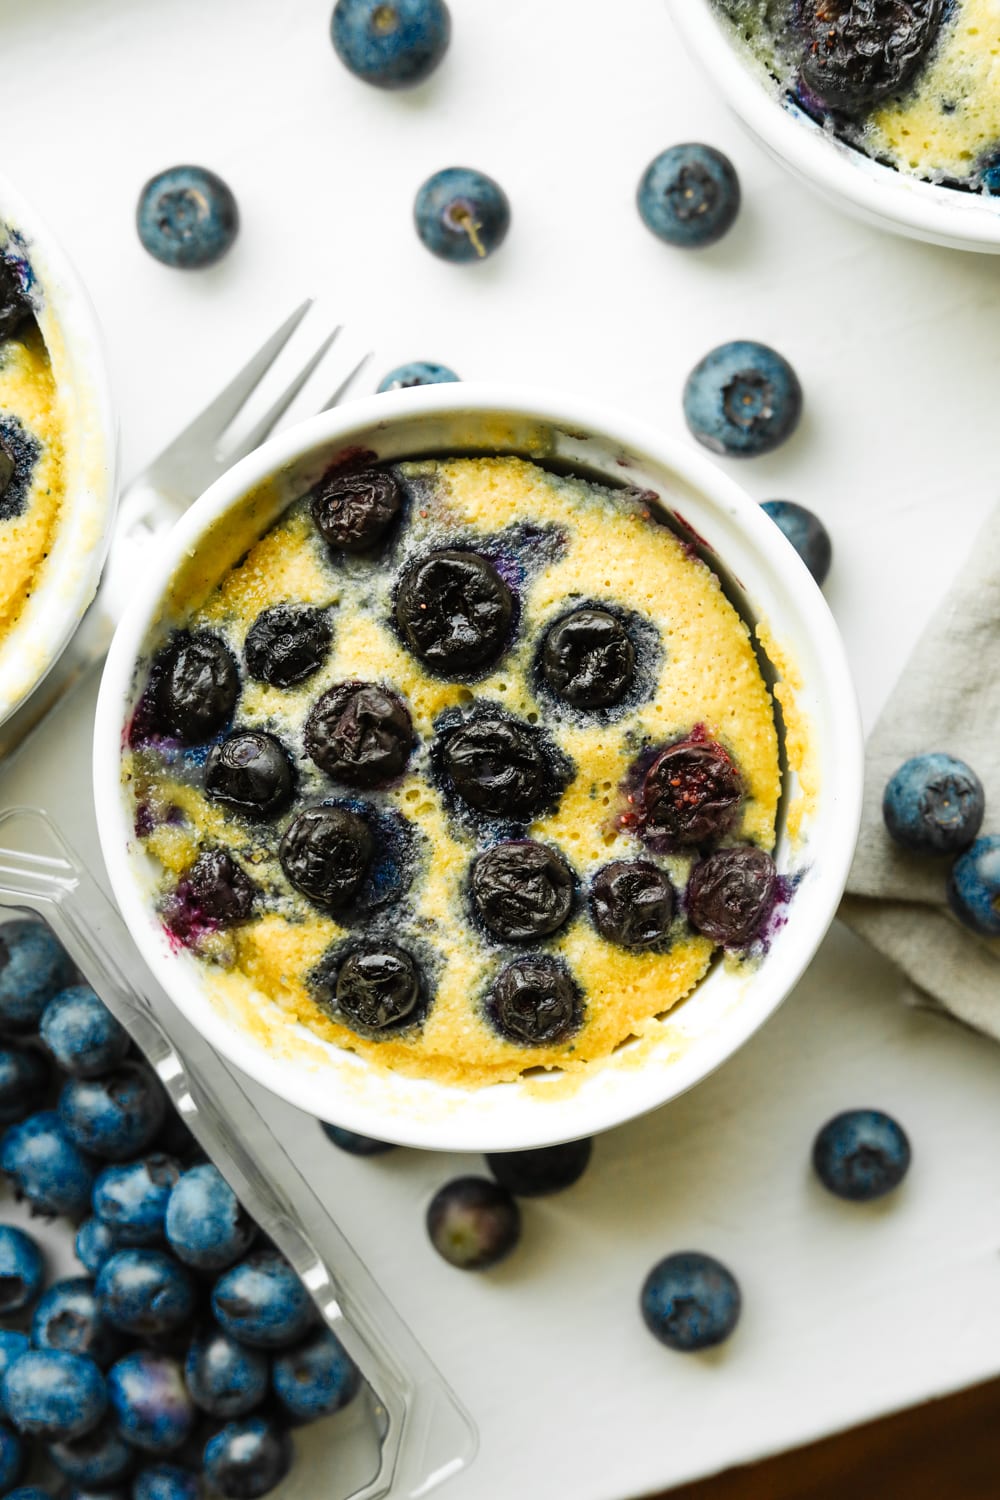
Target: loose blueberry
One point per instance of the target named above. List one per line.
(150, 1402)
(101, 1457)
(214, 893)
(536, 1174)
(22, 1269)
(417, 372)
(453, 611)
(730, 893)
(250, 773)
(247, 1458)
(377, 988)
(45, 1166)
(861, 1154)
(132, 1199)
(15, 309)
(499, 766)
(166, 1482)
(187, 217)
(206, 1225)
(587, 658)
(116, 1116)
(855, 53)
(353, 511)
(225, 1378)
(95, 1243)
(742, 399)
(354, 1144)
(54, 1395)
(391, 43)
(69, 1317)
(316, 1379)
(12, 1346)
(974, 887)
(81, 1033)
(473, 1223)
(360, 734)
(287, 643)
(145, 1292)
(13, 1458)
(690, 1301)
(198, 684)
(521, 891)
(461, 214)
(34, 1492)
(535, 1002)
(691, 793)
(33, 966)
(689, 196)
(934, 804)
(24, 1077)
(326, 853)
(261, 1302)
(806, 533)
(632, 903)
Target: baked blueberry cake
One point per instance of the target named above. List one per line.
(465, 765)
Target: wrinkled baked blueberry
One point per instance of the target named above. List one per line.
(521, 890)
(692, 793)
(287, 643)
(354, 511)
(730, 893)
(251, 773)
(15, 309)
(632, 903)
(326, 853)
(19, 453)
(216, 890)
(856, 52)
(587, 658)
(535, 1002)
(198, 687)
(454, 611)
(378, 987)
(499, 766)
(359, 733)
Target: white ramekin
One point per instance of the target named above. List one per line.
(773, 587)
(871, 191)
(68, 581)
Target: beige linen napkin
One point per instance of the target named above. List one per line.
(948, 698)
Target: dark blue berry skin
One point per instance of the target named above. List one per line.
(689, 196)
(95, 1243)
(742, 399)
(473, 1223)
(33, 966)
(13, 1458)
(12, 1346)
(974, 887)
(205, 1225)
(261, 1302)
(28, 1492)
(315, 1379)
(225, 1378)
(187, 217)
(536, 1174)
(353, 1144)
(24, 1076)
(132, 1198)
(934, 804)
(46, 1167)
(150, 1401)
(391, 43)
(100, 1457)
(806, 533)
(690, 1301)
(145, 1292)
(68, 1317)
(247, 1458)
(461, 214)
(418, 372)
(165, 1482)
(861, 1154)
(114, 1117)
(81, 1033)
(22, 1269)
(54, 1395)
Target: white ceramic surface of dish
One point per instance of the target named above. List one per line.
(879, 194)
(774, 587)
(67, 583)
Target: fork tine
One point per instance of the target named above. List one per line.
(348, 379)
(259, 431)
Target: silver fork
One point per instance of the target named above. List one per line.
(154, 500)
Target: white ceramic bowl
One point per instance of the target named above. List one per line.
(774, 586)
(876, 193)
(68, 581)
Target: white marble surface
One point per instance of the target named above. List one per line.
(848, 1312)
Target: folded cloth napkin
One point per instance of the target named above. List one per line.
(948, 698)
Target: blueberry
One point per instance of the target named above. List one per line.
(247, 1458)
(521, 891)
(861, 1154)
(22, 1269)
(689, 196)
(30, 1492)
(535, 1002)
(250, 773)
(391, 43)
(15, 309)
(690, 1301)
(187, 217)
(499, 766)
(261, 1302)
(196, 683)
(453, 611)
(225, 1378)
(353, 511)
(742, 399)
(12, 1346)
(536, 1174)
(213, 894)
(166, 1482)
(461, 214)
(934, 804)
(632, 903)
(46, 1167)
(33, 966)
(206, 1225)
(806, 533)
(115, 1116)
(101, 1457)
(377, 988)
(68, 1317)
(287, 643)
(95, 1243)
(81, 1033)
(974, 887)
(133, 1198)
(150, 1401)
(326, 853)
(24, 1077)
(417, 372)
(13, 1458)
(730, 893)
(691, 794)
(587, 658)
(854, 54)
(145, 1292)
(473, 1223)
(20, 452)
(354, 1144)
(316, 1379)
(360, 734)
(54, 1395)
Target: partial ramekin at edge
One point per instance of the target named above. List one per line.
(761, 572)
(66, 584)
(866, 188)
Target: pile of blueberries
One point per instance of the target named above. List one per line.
(178, 1365)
